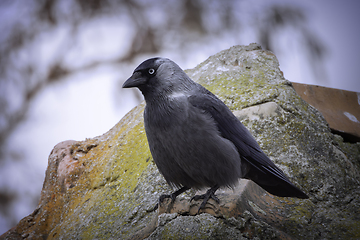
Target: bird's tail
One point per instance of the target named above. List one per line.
(273, 180)
(283, 189)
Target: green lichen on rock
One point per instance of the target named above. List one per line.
(109, 184)
(115, 195)
(241, 77)
(298, 139)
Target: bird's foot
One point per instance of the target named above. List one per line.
(172, 196)
(209, 194)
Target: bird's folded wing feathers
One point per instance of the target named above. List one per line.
(232, 129)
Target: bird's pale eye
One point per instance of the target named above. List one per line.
(151, 71)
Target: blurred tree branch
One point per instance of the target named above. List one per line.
(279, 17)
(179, 22)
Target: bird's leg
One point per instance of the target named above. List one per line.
(209, 194)
(172, 196)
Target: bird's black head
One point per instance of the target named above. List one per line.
(143, 73)
(157, 76)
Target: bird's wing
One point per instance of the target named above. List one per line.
(261, 169)
(231, 128)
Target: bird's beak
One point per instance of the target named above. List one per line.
(134, 81)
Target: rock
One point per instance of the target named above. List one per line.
(106, 187)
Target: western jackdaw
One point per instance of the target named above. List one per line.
(195, 139)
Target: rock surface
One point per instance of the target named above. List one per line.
(106, 187)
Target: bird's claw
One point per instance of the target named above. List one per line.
(172, 196)
(203, 196)
(209, 194)
(162, 198)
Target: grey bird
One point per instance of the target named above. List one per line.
(195, 139)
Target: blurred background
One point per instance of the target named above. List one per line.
(62, 64)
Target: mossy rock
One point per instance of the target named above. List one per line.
(106, 187)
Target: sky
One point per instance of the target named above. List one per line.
(88, 104)
(337, 23)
